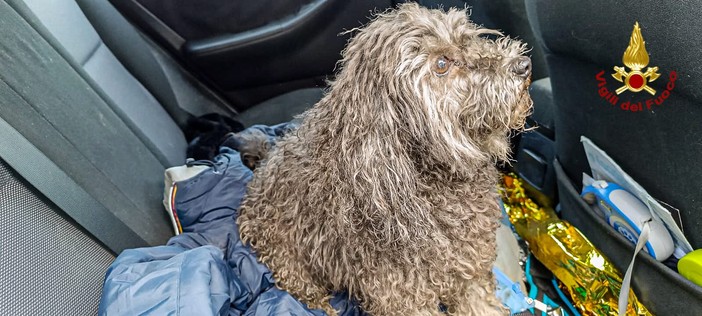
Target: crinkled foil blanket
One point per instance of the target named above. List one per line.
(591, 281)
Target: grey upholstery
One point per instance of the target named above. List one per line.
(63, 91)
(175, 88)
(48, 266)
(68, 195)
(100, 108)
(125, 138)
(67, 23)
(52, 101)
(282, 108)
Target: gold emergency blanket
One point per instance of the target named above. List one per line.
(591, 281)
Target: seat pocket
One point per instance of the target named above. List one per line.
(662, 290)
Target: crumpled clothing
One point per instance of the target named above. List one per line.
(206, 270)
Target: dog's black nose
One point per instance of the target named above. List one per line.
(521, 66)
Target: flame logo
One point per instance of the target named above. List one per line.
(636, 58)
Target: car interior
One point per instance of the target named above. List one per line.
(96, 96)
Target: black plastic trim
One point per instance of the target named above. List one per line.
(224, 44)
(151, 24)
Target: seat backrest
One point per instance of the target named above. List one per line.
(660, 147)
(87, 114)
(89, 120)
(172, 85)
(134, 103)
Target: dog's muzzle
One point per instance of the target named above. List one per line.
(521, 66)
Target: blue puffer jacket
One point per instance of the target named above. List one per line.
(206, 270)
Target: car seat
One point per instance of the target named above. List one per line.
(659, 147)
(91, 114)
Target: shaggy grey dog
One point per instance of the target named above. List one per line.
(387, 188)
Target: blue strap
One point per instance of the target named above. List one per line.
(504, 280)
(510, 293)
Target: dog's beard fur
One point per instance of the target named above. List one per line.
(386, 190)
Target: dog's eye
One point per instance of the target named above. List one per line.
(442, 66)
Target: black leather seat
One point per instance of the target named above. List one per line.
(659, 148)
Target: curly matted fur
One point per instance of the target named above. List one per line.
(387, 188)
